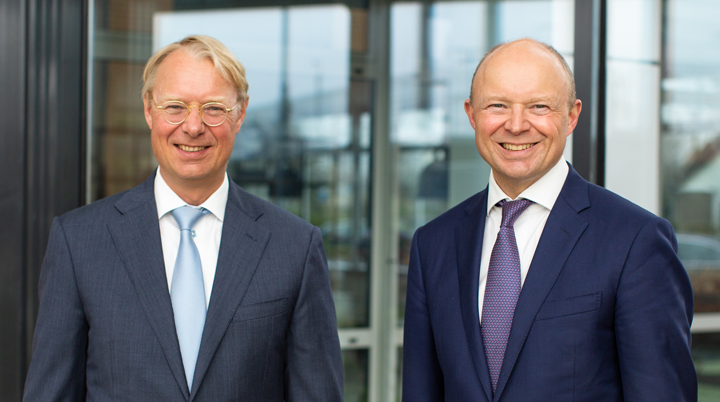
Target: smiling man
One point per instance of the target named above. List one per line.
(543, 287)
(186, 288)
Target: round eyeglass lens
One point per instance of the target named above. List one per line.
(214, 114)
(175, 112)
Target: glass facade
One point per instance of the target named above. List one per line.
(690, 167)
(315, 141)
(662, 142)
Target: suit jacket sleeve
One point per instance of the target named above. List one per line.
(314, 365)
(422, 376)
(57, 369)
(653, 313)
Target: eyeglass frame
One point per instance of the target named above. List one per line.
(200, 108)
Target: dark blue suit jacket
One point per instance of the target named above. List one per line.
(105, 328)
(604, 313)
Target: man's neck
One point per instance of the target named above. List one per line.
(512, 190)
(194, 192)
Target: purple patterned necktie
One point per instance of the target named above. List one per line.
(502, 288)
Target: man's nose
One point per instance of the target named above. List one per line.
(194, 124)
(517, 122)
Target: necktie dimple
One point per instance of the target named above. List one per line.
(502, 288)
(188, 290)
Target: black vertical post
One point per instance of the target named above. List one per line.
(55, 129)
(42, 74)
(590, 49)
(12, 196)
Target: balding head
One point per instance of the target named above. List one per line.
(531, 46)
(523, 108)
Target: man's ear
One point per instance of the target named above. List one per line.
(241, 115)
(573, 115)
(470, 112)
(147, 109)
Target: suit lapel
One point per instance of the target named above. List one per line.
(469, 239)
(241, 247)
(137, 239)
(562, 231)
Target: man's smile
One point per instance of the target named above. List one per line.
(514, 147)
(190, 149)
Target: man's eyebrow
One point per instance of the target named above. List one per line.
(551, 100)
(493, 98)
(542, 99)
(172, 97)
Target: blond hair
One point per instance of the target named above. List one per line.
(572, 94)
(200, 47)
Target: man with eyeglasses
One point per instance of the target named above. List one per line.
(186, 287)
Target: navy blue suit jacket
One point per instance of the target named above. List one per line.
(105, 328)
(604, 313)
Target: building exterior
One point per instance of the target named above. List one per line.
(356, 124)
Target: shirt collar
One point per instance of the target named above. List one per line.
(543, 192)
(167, 200)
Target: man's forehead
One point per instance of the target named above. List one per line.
(522, 54)
(521, 69)
(186, 78)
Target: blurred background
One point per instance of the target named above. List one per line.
(356, 124)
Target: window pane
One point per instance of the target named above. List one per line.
(690, 166)
(706, 355)
(355, 366)
(690, 142)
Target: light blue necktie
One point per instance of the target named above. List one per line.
(502, 289)
(188, 290)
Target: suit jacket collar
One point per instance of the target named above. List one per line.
(136, 235)
(137, 238)
(468, 240)
(562, 230)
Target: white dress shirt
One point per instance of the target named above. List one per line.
(208, 229)
(528, 226)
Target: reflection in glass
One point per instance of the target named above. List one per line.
(706, 355)
(355, 367)
(690, 164)
(690, 143)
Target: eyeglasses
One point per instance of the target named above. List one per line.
(212, 114)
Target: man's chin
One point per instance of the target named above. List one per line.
(189, 175)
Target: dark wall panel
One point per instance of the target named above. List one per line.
(42, 72)
(589, 136)
(55, 126)
(12, 185)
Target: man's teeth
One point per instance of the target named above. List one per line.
(511, 147)
(190, 149)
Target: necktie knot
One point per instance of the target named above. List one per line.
(186, 216)
(511, 210)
